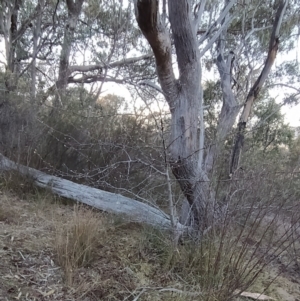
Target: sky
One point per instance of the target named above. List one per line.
(292, 113)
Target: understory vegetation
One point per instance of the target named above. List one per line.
(88, 255)
(175, 105)
(57, 250)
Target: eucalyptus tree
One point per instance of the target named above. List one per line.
(16, 20)
(270, 131)
(240, 39)
(95, 40)
(44, 39)
(192, 29)
(74, 9)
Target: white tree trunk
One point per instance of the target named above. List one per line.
(131, 209)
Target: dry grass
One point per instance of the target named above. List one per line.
(7, 215)
(76, 242)
(233, 257)
(51, 251)
(11, 181)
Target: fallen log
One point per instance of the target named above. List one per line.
(106, 201)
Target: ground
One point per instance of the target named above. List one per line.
(33, 265)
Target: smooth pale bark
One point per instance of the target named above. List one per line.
(254, 91)
(130, 209)
(230, 107)
(184, 97)
(190, 163)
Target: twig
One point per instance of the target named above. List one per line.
(138, 296)
(175, 290)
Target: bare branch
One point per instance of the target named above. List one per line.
(152, 85)
(216, 36)
(123, 62)
(199, 9)
(86, 79)
(285, 85)
(217, 22)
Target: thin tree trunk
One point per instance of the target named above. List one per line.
(230, 107)
(36, 37)
(11, 47)
(254, 91)
(74, 9)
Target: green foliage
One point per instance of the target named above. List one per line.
(212, 97)
(270, 132)
(294, 154)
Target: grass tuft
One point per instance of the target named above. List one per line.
(76, 242)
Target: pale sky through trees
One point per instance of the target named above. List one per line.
(291, 112)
